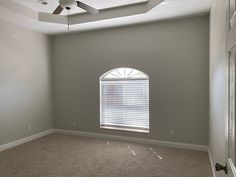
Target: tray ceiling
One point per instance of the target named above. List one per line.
(32, 14)
(98, 4)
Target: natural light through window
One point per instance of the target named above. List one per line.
(124, 100)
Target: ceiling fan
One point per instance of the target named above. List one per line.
(69, 4)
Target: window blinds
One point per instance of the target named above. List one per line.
(124, 104)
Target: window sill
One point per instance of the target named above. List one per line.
(124, 129)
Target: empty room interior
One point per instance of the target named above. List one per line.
(117, 88)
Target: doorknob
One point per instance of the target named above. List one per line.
(220, 167)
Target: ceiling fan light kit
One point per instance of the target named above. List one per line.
(67, 3)
(70, 4)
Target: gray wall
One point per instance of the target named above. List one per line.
(218, 96)
(174, 54)
(25, 83)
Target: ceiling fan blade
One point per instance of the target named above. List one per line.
(87, 8)
(58, 10)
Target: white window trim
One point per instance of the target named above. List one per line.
(117, 127)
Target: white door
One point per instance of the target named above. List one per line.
(231, 62)
(231, 150)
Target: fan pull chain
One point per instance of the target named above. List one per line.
(68, 19)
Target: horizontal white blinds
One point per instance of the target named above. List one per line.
(124, 105)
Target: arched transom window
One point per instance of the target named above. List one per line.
(124, 100)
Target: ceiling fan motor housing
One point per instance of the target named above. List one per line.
(68, 4)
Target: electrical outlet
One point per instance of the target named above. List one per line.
(74, 123)
(29, 128)
(172, 132)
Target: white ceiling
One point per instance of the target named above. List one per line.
(168, 9)
(52, 5)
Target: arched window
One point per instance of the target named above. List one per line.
(124, 100)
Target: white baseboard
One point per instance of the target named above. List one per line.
(25, 140)
(212, 163)
(135, 140)
(106, 136)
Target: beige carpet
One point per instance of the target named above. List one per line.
(72, 156)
